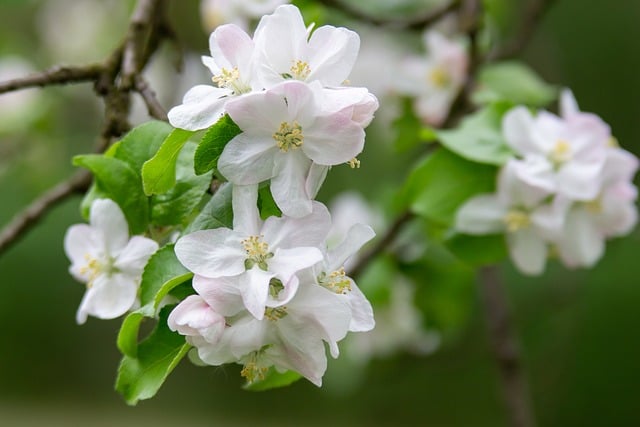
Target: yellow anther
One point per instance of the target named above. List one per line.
(257, 252)
(439, 77)
(289, 136)
(354, 163)
(561, 152)
(94, 268)
(227, 78)
(516, 220)
(252, 371)
(300, 70)
(336, 281)
(613, 142)
(275, 313)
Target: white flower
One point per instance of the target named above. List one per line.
(519, 210)
(286, 50)
(231, 63)
(103, 257)
(436, 79)
(217, 12)
(285, 130)
(195, 318)
(259, 259)
(562, 155)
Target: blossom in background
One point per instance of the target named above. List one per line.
(239, 12)
(435, 79)
(109, 262)
(18, 109)
(284, 130)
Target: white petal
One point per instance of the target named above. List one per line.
(361, 310)
(288, 183)
(109, 297)
(247, 159)
(135, 255)
(194, 317)
(231, 43)
(286, 262)
(222, 294)
(201, 107)
(332, 53)
(79, 242)
(107, 218)
(333, 139)
(517, 127)
(526, 182)
(582, 244)
(528, 251)
(212, 253)
(288, 232)
(259, 113)
(356, 237)
(315, 179)
(482, 214)
(580, 181)
(568, 104)
(285, 295)
(246, 218)
(254, 288)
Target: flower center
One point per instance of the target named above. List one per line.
(275, 313)
(230, 79)
(96, 267)
(594, 206)
(300, 70)
(336, 281)
(439, 77)
(516, 220)
(561, 153)
(354, 163)
(257, 252)
(253, 370)
(289, 136)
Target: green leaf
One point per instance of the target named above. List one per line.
(212, 144)
(442, 182)
(142, 143)
(216, 213)
(140, 377)
(273, 379)
(478, 251)
(117, 180)
(162, 273)
(513, 81)
(159, 172)
(178, 204)
(479, 137)
(410, 131)
(266, 205)
(127, 340)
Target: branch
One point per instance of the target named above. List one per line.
(416, 23)
(534, 14)
(154, 107)
(504, 345)
(54, 76)
(30, 216)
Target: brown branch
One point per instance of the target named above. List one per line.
(54, 76)
(154, 107)
(504, 345)
(536, 10)
(31, 215)
(415, 22)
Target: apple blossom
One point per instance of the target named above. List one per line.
(217, 12)
(109, 262)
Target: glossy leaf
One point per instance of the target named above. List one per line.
(212, 144)
(216, 213)
(142, 143)
(159, 172)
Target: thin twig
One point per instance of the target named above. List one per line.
(33, 213)
(415, 22)
(535, 12)
(505, 348)
(54, 76)
(156, 110)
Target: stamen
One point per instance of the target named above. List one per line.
(252, 370)
(337, 281)
(289, 136)
(275, 313)
(439, 77)
(516, 220)
(257, 252)
(300, 70)
(354, 163)
(561, 153)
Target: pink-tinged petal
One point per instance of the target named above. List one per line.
(549, 218)
(212, 253)
(231, 43)
(356, 237)
(135, 255)
(362, 313)
(528, 251)
(254, 288)
(315, 179)
(288, 183)
(433, 108)
(246, 218)
(288, 232)
(332, 52)
(247, 335)
(568, 104)
(108, 298)
(618, 217)
(620, 165)
(194, 317)
(80, 241)
(358, 100)
(108, 220)
(333, 139)
(222, 294)
(582, 244)
(287, 262)
(299, 99)
(302, 353)
(580, 181)
(539, 182)
(248, 159)
(548, 129)
(259, 113)
(201, 107)
(482, 214)
(517, 126)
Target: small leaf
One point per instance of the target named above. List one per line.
(212, 144)
(216, 213)
(513, 81)
(141, 377)
(127, 340)
(142, 143)
(162, 273)
(273, 379)
(117, 180)
(159, 172)
(479, 136)
(442, 182)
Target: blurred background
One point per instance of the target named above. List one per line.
(578, 329)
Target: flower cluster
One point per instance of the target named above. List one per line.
(568, 189)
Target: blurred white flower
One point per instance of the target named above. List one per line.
(18, 109)
(239, 12)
